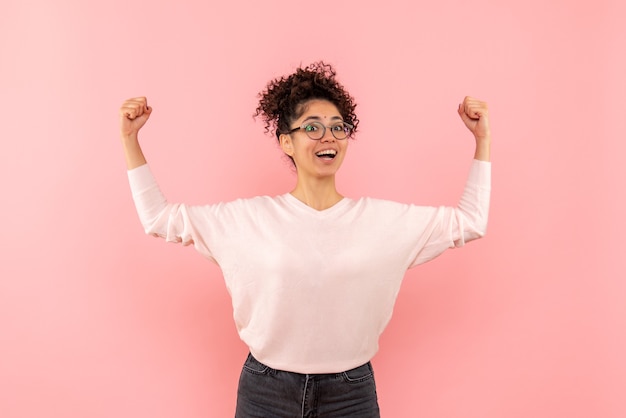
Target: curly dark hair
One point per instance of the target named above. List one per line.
(281, 101)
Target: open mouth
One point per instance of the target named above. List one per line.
(328, 154)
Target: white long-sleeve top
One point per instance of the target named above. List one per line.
(312, 290)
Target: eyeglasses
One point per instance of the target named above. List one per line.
(316, 130)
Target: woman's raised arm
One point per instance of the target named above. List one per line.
(475, 115)
(133, 115)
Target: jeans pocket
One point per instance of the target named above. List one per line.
(254, 366)
(359, 374)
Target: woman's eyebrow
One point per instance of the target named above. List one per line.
(316, 118)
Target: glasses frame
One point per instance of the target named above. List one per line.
(324, 127)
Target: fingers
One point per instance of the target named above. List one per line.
(475, 115)
(473, 108)
(135, 107)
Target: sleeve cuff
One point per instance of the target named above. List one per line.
(480, 173)
(141, 178)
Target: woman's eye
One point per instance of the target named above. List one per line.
(341, 127)
(310, 128)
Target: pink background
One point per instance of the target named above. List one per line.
(99, 320)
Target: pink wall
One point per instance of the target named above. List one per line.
(98, 320)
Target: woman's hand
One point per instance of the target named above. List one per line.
(133, 115)
(475, 115)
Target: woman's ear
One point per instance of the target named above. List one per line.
(286, 144)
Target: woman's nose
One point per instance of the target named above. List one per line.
(328, 136)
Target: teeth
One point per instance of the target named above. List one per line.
(331, 152)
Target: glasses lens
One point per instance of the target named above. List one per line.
(315, 130)
(340, 130)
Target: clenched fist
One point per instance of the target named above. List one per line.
(475, 115)
(133, 115)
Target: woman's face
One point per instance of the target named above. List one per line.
(316, 158)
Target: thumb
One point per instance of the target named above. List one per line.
(145, 115)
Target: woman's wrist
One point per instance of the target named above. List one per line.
(132, 151)
(483, 149)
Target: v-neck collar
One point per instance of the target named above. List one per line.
(294, 201)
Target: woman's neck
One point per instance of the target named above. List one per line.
(316, 193)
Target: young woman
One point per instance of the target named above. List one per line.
(313, 275)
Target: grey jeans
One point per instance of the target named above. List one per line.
(268, 393)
